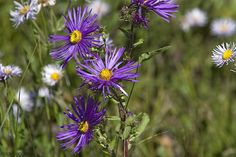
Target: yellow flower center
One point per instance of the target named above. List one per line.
(7, 71)
(227, 54)
(24, 10)
(55, 76)
(83, 126)
(105, 74)
(75, 37)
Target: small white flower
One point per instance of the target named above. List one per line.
(51, 74)
(44, 3)
(24, 99)
(194, 17)
(223, 54)
(16, 112)
(223, 27)
(25, 11)
(43, 92)
(9, 71)
(99, 7)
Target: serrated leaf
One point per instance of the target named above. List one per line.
(148, 55)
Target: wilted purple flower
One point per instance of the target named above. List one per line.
(81, 29)
(163, 8)
(86, 116)
(103, 75)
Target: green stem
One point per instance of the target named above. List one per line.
(131, 91)
(131, 39)
(6, 91)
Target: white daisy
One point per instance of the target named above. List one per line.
(99, 7)
(44, 3)
(194, 17)
(51, 74)
(24, 99)
(43, 92)
(223, 27)
(223, 54)
(25, 11)
(9, 71)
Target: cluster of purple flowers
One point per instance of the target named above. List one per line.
(99, 72)
(82, 34)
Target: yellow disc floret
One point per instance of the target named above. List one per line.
(7, 71)
(105, 74)
(75, 37)
(83, 126)
(24, 10)
(227, 54)
(55, 76)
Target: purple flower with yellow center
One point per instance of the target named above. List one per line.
(82, 35)
(163, 8)
(103, 75)
(86, 116)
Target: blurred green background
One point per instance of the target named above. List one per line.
(190, 102)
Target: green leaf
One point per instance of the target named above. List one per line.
(134, 126)
(142, 121)
(113, 118)
(140, 42)
(148, 55)
(143, 124)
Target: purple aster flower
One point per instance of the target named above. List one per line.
(86, 116)
(163, 8)
(103, 75)
(81, 29)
